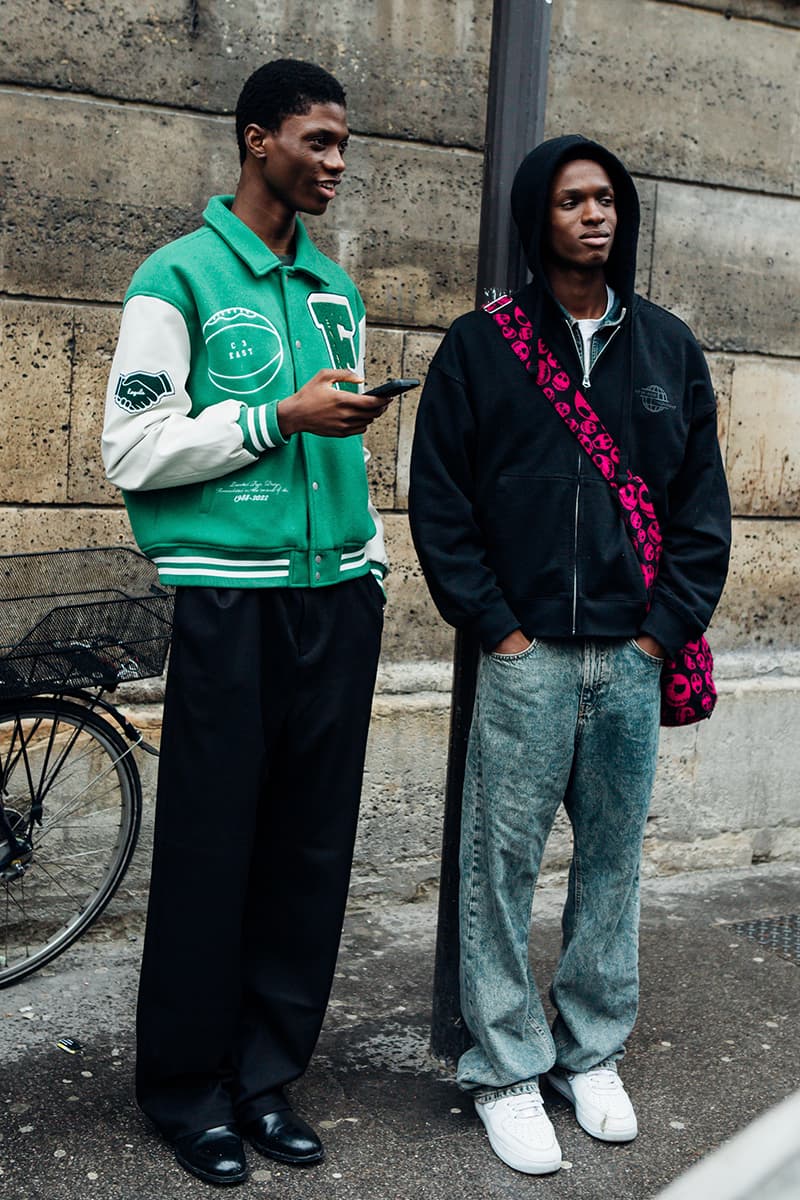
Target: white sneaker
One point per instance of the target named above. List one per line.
(602, 1106)
(520, 1132)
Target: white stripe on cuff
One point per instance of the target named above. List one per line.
(262, 417)
(251, 429)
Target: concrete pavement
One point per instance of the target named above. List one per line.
(716, 1044)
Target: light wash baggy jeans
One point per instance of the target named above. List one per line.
(569, 721)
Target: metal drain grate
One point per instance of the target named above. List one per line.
(781, 934)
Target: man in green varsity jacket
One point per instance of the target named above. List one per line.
(233, 425)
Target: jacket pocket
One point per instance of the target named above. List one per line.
(608, 568)
(518, 657)
(648, 658)
(529, 534)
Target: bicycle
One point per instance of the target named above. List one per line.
(73, 625)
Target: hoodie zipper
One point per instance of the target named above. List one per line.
(587, 369)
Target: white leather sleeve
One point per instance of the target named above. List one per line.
(149, 438)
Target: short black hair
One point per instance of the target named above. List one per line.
(283, 88)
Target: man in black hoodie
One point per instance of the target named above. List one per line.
(522, 541)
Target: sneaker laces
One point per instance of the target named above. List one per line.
(604, 1077)
(525, 1106)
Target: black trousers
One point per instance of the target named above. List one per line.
(265, 726)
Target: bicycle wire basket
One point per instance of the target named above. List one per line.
(80, 618)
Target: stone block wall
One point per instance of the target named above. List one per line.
(118, 131)
(116, 127)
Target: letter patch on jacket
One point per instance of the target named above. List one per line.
(334, 318)
(139, 390)
(245, 351)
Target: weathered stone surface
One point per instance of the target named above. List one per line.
(34, 402)
(764, 450)
(696, 854)
(51, 528)
(403, 66)
(399, 831)
(760, 606)
(82, 223)
(728, 264)
(647, 219)
(79, 223)
(713, 779)
(781, 12)
(418, 350)
(722, 797)
(685, 93)
(413, 629)
(721, 368)
(405, 226)
(384, 357)
(96, 332)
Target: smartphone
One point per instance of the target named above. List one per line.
(392, 387)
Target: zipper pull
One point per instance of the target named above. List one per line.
(586, 382)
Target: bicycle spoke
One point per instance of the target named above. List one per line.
(10, 896)
(69, 807)
(94, 799)
(68, 757)
(9, 767)
(49, 773)
(74, 763)
(54, 880)
(60, 866)
(68, 857)
(34, 791)
(48, 776)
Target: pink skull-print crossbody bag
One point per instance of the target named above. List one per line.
(688, 693)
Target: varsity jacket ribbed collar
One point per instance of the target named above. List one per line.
(256, 254)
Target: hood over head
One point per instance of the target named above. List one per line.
(530, 194)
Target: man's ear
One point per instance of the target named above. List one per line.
(255, 139)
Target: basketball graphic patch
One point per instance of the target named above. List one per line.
(245, 351)
(139, 390)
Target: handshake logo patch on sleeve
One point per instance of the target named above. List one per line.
(139, 390)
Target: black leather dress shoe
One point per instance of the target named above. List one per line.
(214, 1155)
(285, 1137)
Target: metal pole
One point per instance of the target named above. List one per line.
(514, 125)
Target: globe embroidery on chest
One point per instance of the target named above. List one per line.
(654, 399)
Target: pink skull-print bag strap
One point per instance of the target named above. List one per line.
(688, 693)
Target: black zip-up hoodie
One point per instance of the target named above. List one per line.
(514, 526)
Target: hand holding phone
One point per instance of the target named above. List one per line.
(320, 407)
(392, 388)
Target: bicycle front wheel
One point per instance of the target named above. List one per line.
(70, 791)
